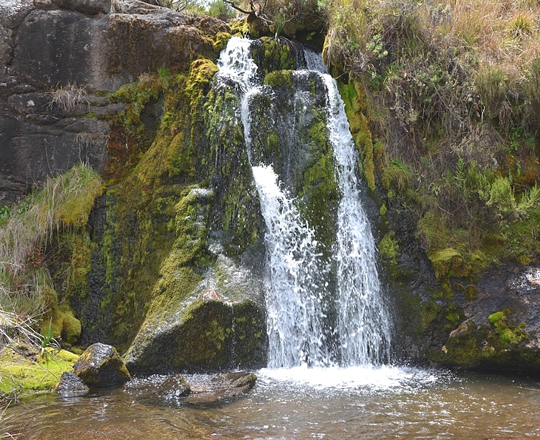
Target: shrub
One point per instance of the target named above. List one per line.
(221, 10)
(492, 84)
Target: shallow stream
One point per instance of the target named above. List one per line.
(337, 404)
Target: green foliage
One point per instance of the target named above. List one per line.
(63, 204)
(5, 213)
(47, 336)
(219, 9)
(492, 84)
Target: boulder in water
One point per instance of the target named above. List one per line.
(101, 366)
(174, 387)
(221, 387)
(71, 385)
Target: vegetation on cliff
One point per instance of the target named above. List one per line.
(449, 91)
(443, 101)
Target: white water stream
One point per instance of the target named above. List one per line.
(298, 274)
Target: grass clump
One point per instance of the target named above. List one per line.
(27, 290)
(68, 98)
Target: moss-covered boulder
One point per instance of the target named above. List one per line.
(62, 324)
(101, 366)
(198, 329)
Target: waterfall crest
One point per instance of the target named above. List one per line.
(301, 296)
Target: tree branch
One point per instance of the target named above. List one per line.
(238, 8)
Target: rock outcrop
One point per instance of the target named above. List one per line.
(58, 60)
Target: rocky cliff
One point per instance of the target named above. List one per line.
(58, 61)
(170, 265)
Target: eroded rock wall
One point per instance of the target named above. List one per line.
(58, 61)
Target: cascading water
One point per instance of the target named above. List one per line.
(298, 298)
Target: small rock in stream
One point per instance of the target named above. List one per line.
(71, 385)
(221, 387)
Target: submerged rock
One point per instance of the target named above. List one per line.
(174, 387)
(221, 387)
(101, 366)
(71, 385)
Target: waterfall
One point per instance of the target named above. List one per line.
(297, 299)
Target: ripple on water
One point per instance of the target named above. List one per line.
(331, 404)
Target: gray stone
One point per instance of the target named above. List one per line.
(71, 385)
(89, 7)
(33, 152)
(222, 387)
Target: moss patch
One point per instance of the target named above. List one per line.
(354, 97)
(21, 377)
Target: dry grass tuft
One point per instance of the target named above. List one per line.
(68, 98)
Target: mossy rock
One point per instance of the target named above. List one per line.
(471, 293)
(271, 55)
(461, 350)
(62, 323)
(207, 335)
(101, 366)
(449, 262)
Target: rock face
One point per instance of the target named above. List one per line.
(57, 60)
(101, 366)
(491, 322)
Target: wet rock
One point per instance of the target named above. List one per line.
(71, 385)
(174, 387)
(101, 366)
(221, 387)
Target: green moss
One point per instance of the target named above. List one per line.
(61, 323)
(354, 98)
(271, 55)
(447, 263)
(471, 293)
(201, 73)
(220, 40)
(462, 350)
(495, 317)
(24, 377)
(280, 79)
(389, 248)
(428, 314)
(508, 333)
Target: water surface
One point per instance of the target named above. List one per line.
(351, 403)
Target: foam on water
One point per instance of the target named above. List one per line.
(365, 378)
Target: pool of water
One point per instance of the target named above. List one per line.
(352, 403)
